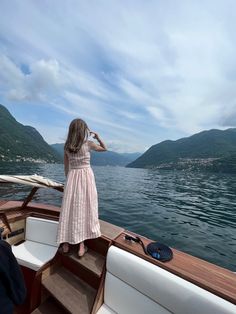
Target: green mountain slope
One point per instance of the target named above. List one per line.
(108, 158)
(22, 143)
(202, 150)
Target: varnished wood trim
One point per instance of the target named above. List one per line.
(6, 223)
(33, 286)
(45, 216)
(29, 197)
(99, 299)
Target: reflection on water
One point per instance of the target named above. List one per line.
(193, 212)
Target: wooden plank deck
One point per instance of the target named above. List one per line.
(109, 230)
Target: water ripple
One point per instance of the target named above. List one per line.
(191, 211)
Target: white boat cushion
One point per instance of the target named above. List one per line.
(104, 309)
(41, 230)
(127, 300)
(33, 254)
(126, 272)
(40, 245)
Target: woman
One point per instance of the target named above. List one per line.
(79, 212)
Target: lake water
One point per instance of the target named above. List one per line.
(191, 211)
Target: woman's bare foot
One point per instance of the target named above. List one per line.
(82, 249)
(65, 247)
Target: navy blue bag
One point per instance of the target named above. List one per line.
(156, 250)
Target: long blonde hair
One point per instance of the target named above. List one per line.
(77, 135)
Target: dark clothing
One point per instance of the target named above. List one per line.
(12, 286)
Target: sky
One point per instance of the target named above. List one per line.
(137, 71)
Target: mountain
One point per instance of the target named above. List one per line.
(22, 143)
(225, 164)
(108, 158)
(59, 148)
(211, 150)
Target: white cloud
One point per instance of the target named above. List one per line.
(44, 78)
(147, 68)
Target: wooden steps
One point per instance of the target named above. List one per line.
(50, 306)
(74, 284)
(73, 293)
(91, 261)
(88, 268)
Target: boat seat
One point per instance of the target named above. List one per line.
(104, 309)
(135, 286)
(40, 243)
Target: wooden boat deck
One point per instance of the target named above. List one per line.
(14, 212)
(215, 279)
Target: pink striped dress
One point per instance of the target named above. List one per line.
(79, 212)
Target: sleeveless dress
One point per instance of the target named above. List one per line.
(79, 211)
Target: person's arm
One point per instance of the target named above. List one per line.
(66, 163)
(93, 146)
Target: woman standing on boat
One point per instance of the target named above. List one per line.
(79, 212)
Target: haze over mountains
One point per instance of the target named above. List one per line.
(108, 158)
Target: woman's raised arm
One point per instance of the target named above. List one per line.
(99, 148)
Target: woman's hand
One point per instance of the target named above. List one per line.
(101, 147)
(94, 135)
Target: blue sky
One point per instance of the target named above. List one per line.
(138, 72)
